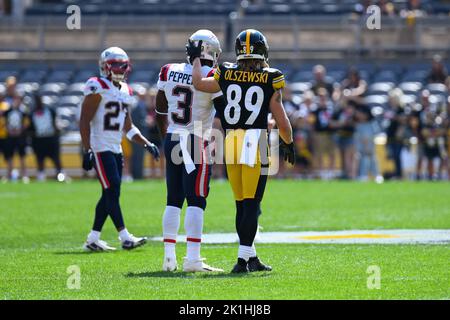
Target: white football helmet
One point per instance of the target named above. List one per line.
(210, 46)
(114, 63)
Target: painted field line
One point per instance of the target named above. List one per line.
(395, 236)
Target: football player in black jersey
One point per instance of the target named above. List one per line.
(252, 89)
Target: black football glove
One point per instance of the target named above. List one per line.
(153, 150)
(88, 160)
(194, 51)
(288, 151)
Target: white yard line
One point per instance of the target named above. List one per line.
(395, 236)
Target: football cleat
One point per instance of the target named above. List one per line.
(254, 264)
(198, 266)
(240, 267)
(97, 246)
(133, 242)
(170, 264)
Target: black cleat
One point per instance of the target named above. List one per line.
(254, 264)
(240, 266)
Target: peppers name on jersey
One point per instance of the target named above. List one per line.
(107, 124)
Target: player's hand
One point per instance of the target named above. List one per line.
(153, 150)
(288, 151)
(192, 50)
(88, 160)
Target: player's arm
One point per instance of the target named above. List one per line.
(209, 84)
(134, 134)
(284, 126)
(88, 110)
(162, 107)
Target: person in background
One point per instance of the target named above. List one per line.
(416, 122)
(11, 90)
(157, 167)
(438, 72)
(321, 81)
(3, 133)
(17, 123)
(365, 131)
(45, 139)
(343, 122)
(323, 132)
(302, 125)
(397, 131)
(138, 114)
(433, 134)
(353, 87)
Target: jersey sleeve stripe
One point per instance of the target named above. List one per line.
(280, 78)
(279, 84)
(211, 73)
(102, 83)
(163, 73)
(130, 90)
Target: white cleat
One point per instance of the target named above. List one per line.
(170, 264)
(97, 246)
(198, 266)
(133, 242)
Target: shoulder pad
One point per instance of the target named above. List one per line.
(95, 85)
(163, 72)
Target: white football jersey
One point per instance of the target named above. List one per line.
(186, 105)
(108, 122)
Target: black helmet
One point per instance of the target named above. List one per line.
(251, 44)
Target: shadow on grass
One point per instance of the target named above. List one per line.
(80, 253)
(215, 275)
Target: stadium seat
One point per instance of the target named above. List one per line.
(410, 87)
(377, 99)
(75, 89)
(299, 87)
(385, 76)
(60, 76)
(380, 88)
(27, 88)
(52, 88)
(437, 88)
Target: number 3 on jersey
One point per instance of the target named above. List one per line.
(232, 112)
(184, 104)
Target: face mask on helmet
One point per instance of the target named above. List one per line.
(118, 70)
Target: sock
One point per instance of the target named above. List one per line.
(93, 236)
(193, 223)
(124, 234)
(245, 252)
(253, 253)
(249, 222)
(171, 224)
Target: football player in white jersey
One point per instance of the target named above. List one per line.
(180, 111)
(104, 118)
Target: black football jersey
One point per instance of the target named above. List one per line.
(247, 95)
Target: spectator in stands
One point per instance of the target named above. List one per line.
(11, 91)
(416, 9)
(398, 130)
(365, 131)
(387, 8)
(433, 132)
(323, 142)
(45, 139)
(344, 125)
(289, 104)
(302, 125)
(416, 129)
(321, 81)
(156, 167)
(3, 132)
(438, 72)
(353, 87)
(139, 114)
(17, 122)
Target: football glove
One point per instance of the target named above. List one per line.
(88, 160)
(288, 151)
(154, 151)
(194, 51)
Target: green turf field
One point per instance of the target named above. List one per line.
(43, 227)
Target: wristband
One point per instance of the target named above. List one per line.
(132, 132)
